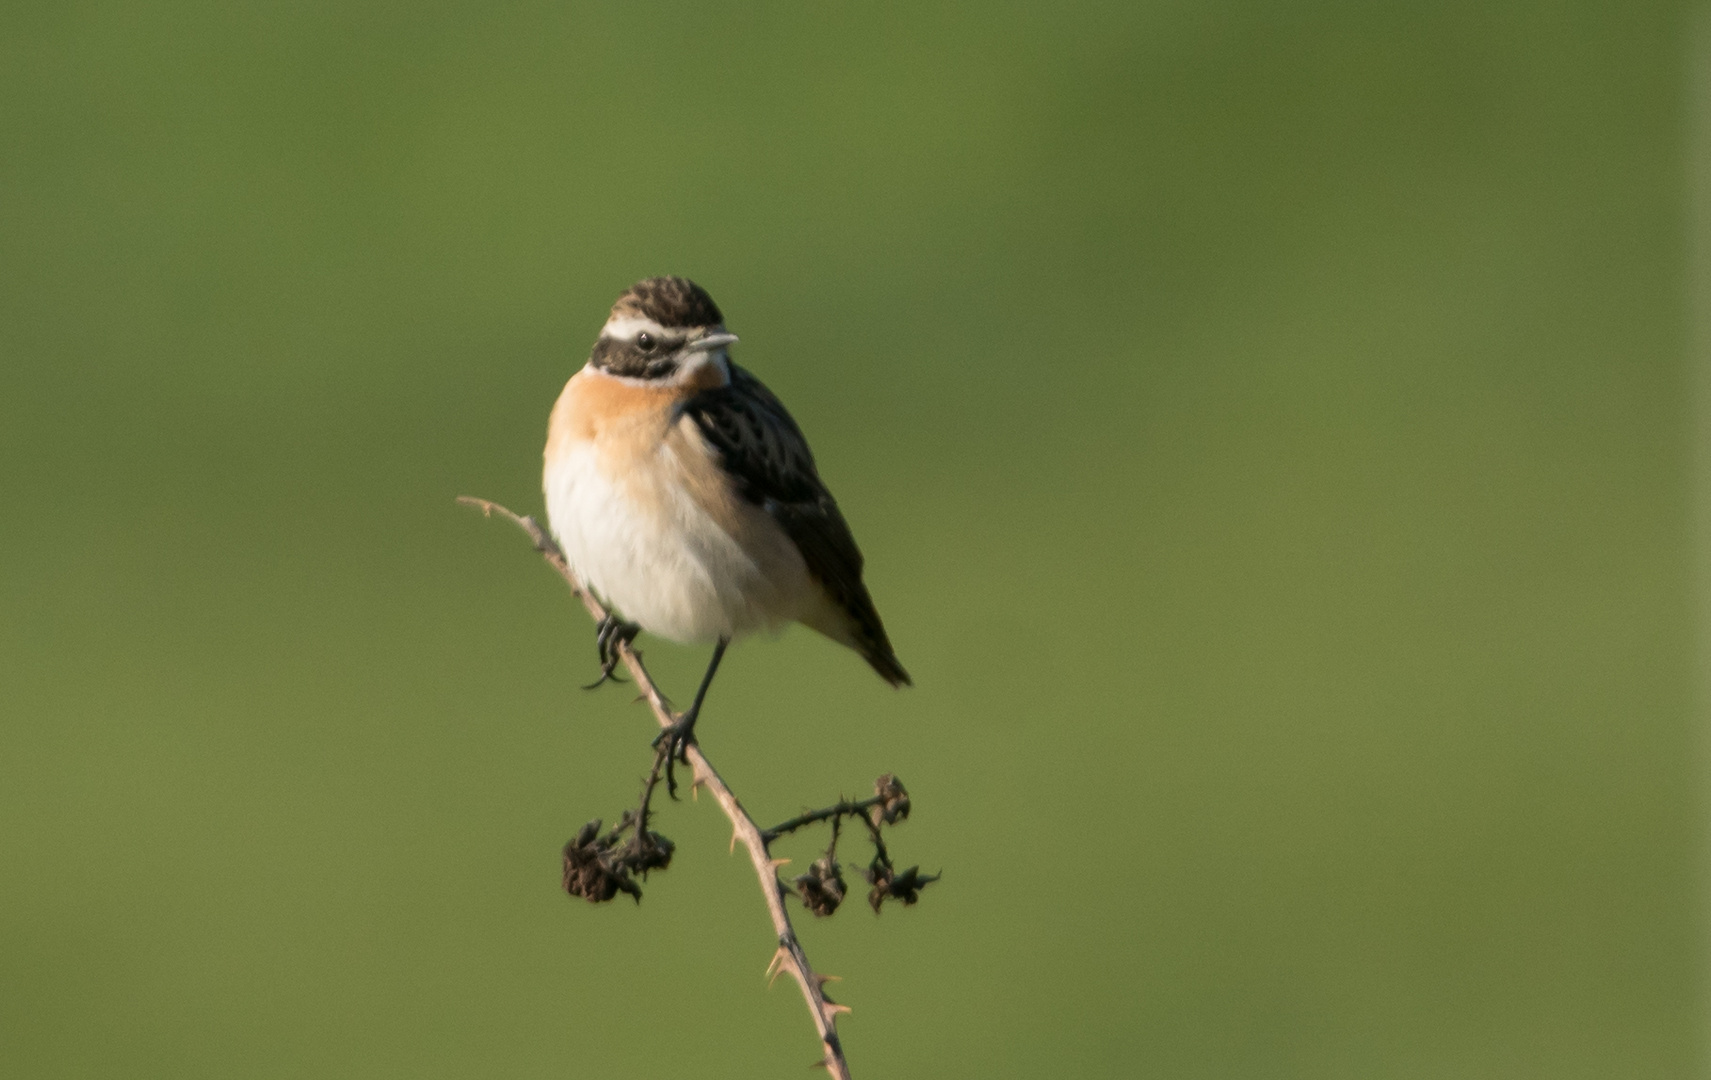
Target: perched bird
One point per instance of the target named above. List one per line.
(685, 496)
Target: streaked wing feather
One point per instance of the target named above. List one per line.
(766, 455)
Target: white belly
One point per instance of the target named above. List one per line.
(657, 555)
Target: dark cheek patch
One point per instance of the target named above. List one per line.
(626, 358)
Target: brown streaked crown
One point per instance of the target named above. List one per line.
(674, 302)
(680, 311)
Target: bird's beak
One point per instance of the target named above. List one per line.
(712, 341)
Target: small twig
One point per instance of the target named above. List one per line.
(846, 808)
(789, 957)
(881, 857)
(648, 786)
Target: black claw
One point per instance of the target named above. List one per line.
(681, 733)
(673, 743)
(609, 637)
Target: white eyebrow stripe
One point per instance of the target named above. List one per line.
(626, 327)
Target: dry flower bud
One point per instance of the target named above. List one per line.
(889, 884)
(822, 887)
(586, 873)
(597, 870)
(586, 834)
(894, 800)
(654, 854)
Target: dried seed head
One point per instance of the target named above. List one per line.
(822, 888)
(586, 872)
(651, 851)
(894, 800)
(889, 884)
(585, 835)
(597, 869)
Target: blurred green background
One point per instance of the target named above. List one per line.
(1268, 430)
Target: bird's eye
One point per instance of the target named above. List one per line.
(645, 341)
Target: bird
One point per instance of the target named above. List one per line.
(684, 494)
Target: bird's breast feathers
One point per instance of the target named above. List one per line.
(649, 518)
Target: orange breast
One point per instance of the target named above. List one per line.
(595, 406)
(628, 424)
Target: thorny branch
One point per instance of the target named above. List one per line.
(599, 866)
(822, 888)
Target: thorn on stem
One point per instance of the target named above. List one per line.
(781, 961)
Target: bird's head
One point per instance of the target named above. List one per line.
(663, 329)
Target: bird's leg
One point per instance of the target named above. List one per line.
(681, 733)
(609, 637)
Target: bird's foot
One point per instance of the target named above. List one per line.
(673, 745)
(610, 637)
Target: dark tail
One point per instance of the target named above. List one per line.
(885, 662)
(873, 644)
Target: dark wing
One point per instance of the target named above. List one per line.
(763, 451)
